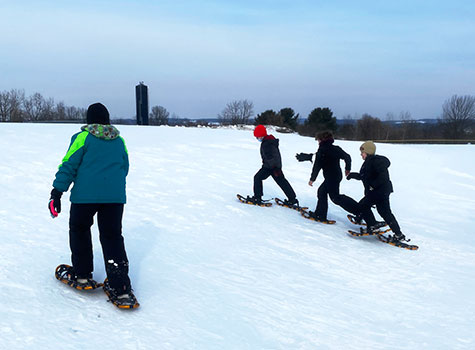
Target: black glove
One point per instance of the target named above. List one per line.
(353, 176)
(301, 157)
(54, 204)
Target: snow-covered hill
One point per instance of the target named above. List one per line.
(212, 273)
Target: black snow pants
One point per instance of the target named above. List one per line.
(109, 219)
(331, 189)
(381, 201)
(278, 177)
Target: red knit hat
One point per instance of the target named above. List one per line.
(260, 131)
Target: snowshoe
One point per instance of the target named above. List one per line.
(378, 225)
(357, 220)
(65, 274)
(311, 216)
(122, 301)
(288, 204)
(366, 232)
(398, 241)
(254, 201)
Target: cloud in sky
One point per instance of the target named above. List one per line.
(354, 57)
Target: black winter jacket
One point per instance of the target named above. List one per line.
(270, 153)
(375, 175)
(328, 158)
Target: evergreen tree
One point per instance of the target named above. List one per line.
(318, 120)
(269, 117)
(289, 118)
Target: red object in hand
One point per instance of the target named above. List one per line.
(53, 212)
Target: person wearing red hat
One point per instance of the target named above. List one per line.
(271, 166)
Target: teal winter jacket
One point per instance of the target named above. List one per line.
(97, 162)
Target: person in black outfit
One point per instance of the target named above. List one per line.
(271, 166)
(375, 176)
(328, 159)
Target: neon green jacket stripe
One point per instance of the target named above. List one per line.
(126, 151)
(98, 168)
(77, 144)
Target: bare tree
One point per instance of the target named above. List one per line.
(159, 116)
(60, 111)
(37, 108)
(15, 107)
(74, 113)
(4, 106)
(458, 115)
(408, 125)
(237, 112)
(11, 102)
(48, 109)
(34, 107)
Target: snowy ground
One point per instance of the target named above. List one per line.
(212, 273)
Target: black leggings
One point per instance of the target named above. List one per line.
(332, 189)
(278, 177)
(382, 206)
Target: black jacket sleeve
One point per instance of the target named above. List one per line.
(317, 166)
(346, 157)
(380, 167)
(354, 175)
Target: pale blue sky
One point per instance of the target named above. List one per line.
(354, 57)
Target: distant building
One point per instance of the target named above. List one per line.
(141, 98)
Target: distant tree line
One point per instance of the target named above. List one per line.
(373, 128)
(457, 120)
(16, 107)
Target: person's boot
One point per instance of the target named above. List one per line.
(379, 224)
(120, 299)
(291, 202)
(117, 285)
(398, 237)
(355, 219)
(65, 273)
(255, 199)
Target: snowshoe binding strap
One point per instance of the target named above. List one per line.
(65, 274)
(122, 301)
(311, 216)
(354, 220)
(254, 201)
(287, 204)
(365, 232)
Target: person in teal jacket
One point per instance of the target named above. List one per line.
(97, 163)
